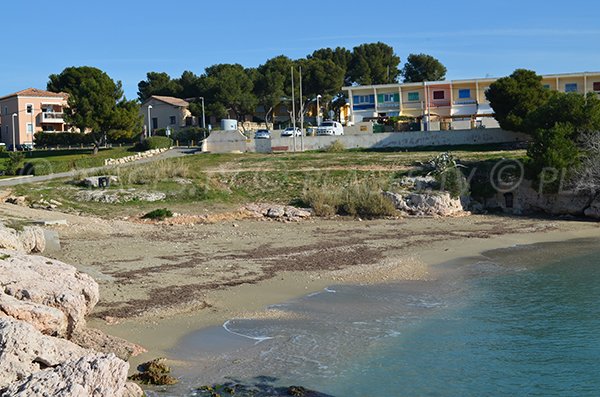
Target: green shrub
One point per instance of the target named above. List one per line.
(13, 164)
(365, 200)
(158, 214)
(62, 139)
(39, 167)
(335, 147)
(362, 199)
(154, 142)
(453, 181)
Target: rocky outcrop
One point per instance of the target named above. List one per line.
(593, 211)
(98, 375)
(48, 282)
(99, 341)
(278, 212)
(426, 204)
(47, 320)
(24, 350)
(119, 196)
(525, 199)
(30, 239)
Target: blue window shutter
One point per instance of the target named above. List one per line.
(464, 93)
(372, 98)
(355, 98)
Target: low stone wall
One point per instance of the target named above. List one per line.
(135, 157)
(232, 141)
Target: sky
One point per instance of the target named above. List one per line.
(129, 38)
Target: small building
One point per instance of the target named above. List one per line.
(166, 111)
(445, 105)
(29, 111)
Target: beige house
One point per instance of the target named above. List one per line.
(166, 111)
(29, 111)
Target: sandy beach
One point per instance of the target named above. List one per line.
(160, 282)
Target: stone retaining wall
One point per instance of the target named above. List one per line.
(135, 157)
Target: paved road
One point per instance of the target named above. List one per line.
(173, 153)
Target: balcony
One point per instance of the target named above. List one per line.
(388, 106)
(52, 117)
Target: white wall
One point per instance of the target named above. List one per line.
(233, 141)
(409, 139)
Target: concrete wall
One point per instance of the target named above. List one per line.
(233, 141)
(228, 142)
(407, 139)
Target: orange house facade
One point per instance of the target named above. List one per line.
(448, 105)
(26, 112)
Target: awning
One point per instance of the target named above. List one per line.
(464, 111)
(485, 110)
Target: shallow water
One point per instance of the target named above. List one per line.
(521, 321)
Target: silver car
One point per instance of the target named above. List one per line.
(290, 131)
(262, 134)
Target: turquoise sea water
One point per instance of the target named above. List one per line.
(518, 322)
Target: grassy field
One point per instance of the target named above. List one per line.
(53, 161)
(208, 182)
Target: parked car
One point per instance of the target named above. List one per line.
(291, 132)
(329, 127)
(262, 134)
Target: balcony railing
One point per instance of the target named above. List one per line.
(52, 117)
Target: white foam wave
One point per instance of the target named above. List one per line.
(258, 339)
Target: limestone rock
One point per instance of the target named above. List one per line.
(426, 204)
(593, 211)
(24, 350)
(33, 240)
(49, 282)
(98, 375)
(47, 320)
(9, 239)
(276, 212)
(119, 196)
(99, 341)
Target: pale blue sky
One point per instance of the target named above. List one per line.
(128, 38)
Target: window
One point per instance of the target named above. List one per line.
(546, 86)
(29, 128)
(389, 98)
(438, 94)
(154, 123)
(571, 87)
(172, 120)
(358, 99)
(6, 110)
(597, 86)
(29, 108)
(413, 96)
(464, 93)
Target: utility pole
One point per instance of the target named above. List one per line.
(301, 114)
(293, 109)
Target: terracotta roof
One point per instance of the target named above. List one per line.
(170, 100)
(34, 92)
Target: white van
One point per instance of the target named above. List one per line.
(329, 127)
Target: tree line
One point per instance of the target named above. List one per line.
(233, 90)
(97, 105)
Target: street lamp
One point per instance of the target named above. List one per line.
(149, 127)
(14, 134)
(318, 110)
(203, 116)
